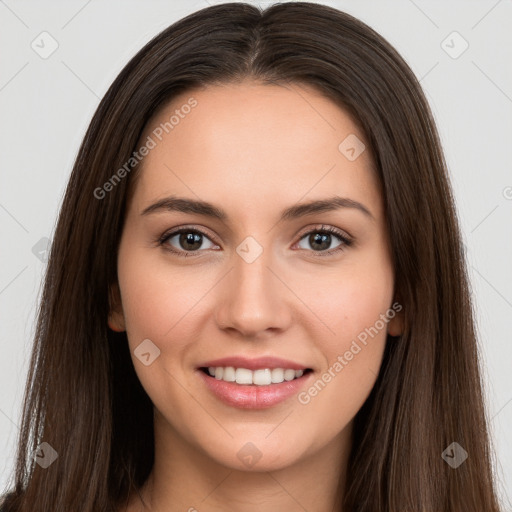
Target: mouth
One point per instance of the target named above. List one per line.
(254, 383)
(257, 377)
(259, 388)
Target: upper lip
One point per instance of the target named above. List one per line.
(255, 363)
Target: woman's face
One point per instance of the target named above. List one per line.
(253, 282)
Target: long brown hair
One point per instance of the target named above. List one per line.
(83, 397)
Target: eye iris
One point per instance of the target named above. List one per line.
(191, 241)
(188, 239)
(323, 239)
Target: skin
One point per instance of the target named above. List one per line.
(253, 150)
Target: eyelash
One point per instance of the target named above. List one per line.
(346, 241)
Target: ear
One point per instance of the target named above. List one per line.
(396, 324)
(116, 316)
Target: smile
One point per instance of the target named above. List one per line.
(253, 389)
(259, 377)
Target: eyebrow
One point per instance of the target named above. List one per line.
(198, 207)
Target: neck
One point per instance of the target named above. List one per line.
(186, 479)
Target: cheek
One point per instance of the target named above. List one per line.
(157, 302)
(355, 308)
(166, 304)
(349, 301)
(353, 304)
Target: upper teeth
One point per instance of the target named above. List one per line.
(261, 377)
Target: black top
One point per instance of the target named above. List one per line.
(3, 499)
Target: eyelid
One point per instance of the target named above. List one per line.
(170, 233)
(324, 227)
(345, 239)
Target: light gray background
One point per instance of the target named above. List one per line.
(46, 105)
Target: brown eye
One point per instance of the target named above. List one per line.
(185, 240)
(321, 240)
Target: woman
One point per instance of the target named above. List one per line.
(256, 296)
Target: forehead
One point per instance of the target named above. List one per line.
(254, 142)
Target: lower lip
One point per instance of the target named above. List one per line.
(245, 396)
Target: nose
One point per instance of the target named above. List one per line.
(254, 300)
